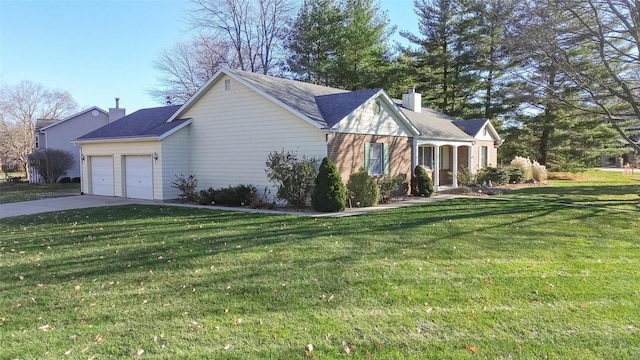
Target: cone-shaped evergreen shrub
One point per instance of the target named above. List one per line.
(329, 193)
(363, 188)
(422, 184)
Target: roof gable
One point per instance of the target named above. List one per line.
(295, 96)
(473, 127)
(71, 117)
(335, 107)
(151, 122)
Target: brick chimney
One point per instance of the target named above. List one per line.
(412, 100)
(117, 112)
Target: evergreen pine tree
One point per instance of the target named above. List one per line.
(329, 194)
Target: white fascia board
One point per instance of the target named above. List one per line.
(73, 116)
(175, 129)
(441, 142)
(276, 101)
(494, 132)
(116, 140)
(214, 79)
(195, 97)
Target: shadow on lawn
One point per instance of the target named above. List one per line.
(117, 241)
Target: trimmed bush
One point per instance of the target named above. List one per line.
(363, 189)
(465, 178)
(495, 175)
(421, 183)
(65, 180)
(515, 175)
(329, 193)
(389, 186)
(239, 195)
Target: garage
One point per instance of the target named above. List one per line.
(138, 177)
(101, 175)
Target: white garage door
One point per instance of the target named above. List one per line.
(102, 175)
(138, 177)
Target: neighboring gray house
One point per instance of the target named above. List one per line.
(58, 134)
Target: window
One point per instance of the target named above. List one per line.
(444, 158)
(376, 159)
(484, 156)
(227, 85)
(425, 156)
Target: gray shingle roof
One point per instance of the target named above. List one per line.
(42, 123)
(433, 125)
(335, 107)
(298, 95)
(150, 122)
(471, 126)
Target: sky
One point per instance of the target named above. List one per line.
(98, 50)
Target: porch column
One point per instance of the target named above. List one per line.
(414, 155)
(436, 167)
(454, 183)
(470, 158)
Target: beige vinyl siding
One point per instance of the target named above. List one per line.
(175, 161)
(119, 150)
(368, 121)
(233, 132)
(492, 158)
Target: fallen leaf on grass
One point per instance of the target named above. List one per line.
(489, 281)
(473, 349)
(583, 305)
(67, 352)
(139, 352)
(98, 338)
(227, 347)
(518, 346)
(46, 327)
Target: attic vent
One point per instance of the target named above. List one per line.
(227, 85)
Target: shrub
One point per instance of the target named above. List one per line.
(389, 186)
(239, 195)
(524, 164)
(75, 180)
(328, 193)
(363, 189)
(539, 172)
(187, 187)
(51, 163)
(292, 176)
(515, 175)
(465, 177)
(65, 180)
(422, 184)
(495, 175)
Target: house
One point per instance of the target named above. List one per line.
(58, 134)
(487, 140)
(225, 131)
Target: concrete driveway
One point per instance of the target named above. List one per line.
(64, 203)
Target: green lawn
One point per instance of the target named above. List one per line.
(468, 278)
(14, 192)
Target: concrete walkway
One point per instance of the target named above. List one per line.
(91, 201)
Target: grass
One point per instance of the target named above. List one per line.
(14, 192)
(597, 188)
(463, 279)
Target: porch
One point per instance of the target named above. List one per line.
(443, 160)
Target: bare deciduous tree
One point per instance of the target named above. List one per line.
(188, 65)
(255, 29)
(20, 106)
